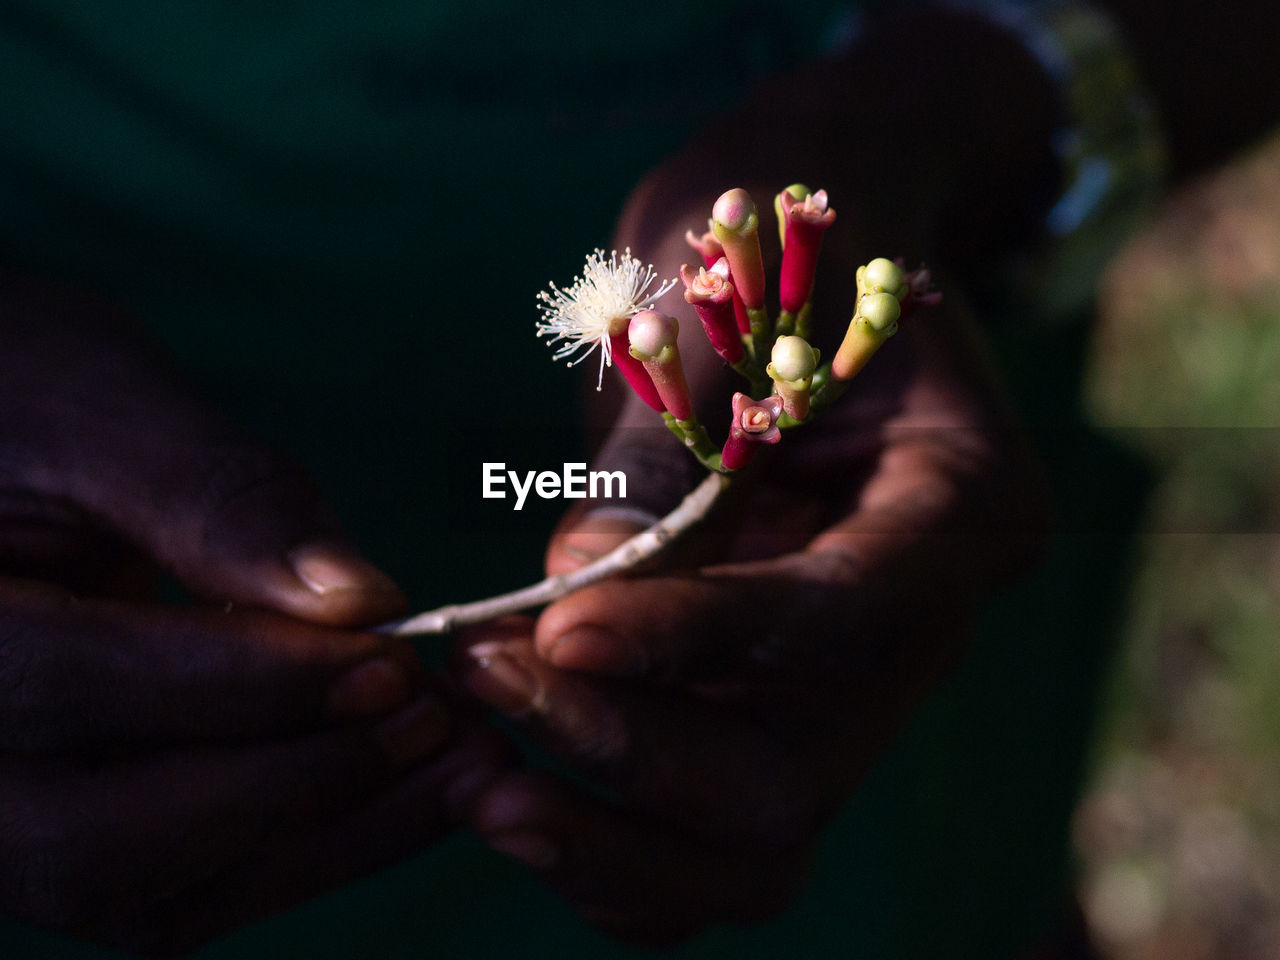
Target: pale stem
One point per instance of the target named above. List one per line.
(802, 321)
(629, 555)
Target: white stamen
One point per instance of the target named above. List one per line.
(607, 291)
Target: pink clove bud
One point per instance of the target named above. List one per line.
(707, 245)
(653, 343)
(754, 422)
(804, 223)
(798, 191)
(735, 223)
(711, 295)
(634, 373)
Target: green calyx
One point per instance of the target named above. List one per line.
(652, 336)
(734, 216)
(730, 235)
(801, 383)
(663, 356)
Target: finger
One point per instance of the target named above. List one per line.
(80, 675)
(633, 876)
(254, 529)
(55, 541)
(97, 416)
(659, 473)
(765, 775)
(153, 824)
(696, 625)
(907, 549)
(810, 652)
(390, 826)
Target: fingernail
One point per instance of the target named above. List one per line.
(325, 568)
(584, 548)
(503, 682)
(413, 733)
(597, 534)
(531, 849)
(600, 651)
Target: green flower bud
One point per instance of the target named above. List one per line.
(793, 359)
(885, 276)
(881, 311)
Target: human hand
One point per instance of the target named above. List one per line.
(717, 712)
(728, 710)
(170, 772)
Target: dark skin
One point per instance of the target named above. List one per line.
(732, 707)
(280, 752)
(171, 772)
(727, 709)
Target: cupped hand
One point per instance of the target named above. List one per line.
(170, 772)
(716, 715)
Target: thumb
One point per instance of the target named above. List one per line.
(256, 530)
(94, 414)
(813, 613)
(659, 473)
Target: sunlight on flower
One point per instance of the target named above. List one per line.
(598, 306)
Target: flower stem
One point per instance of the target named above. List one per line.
(802, 320)
(693, 435)
(760, 330)
(629, 555)
(825, 391)
(754, 374)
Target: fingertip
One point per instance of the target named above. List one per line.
(333, 585)
(588, 631)
(597, 603)
(327, 568)
(596, 650)
(501, 676)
